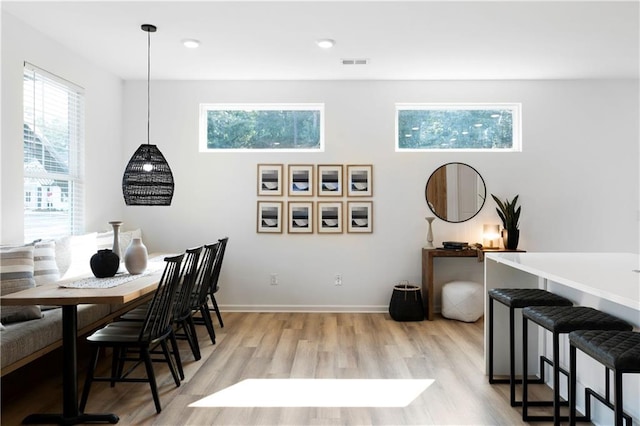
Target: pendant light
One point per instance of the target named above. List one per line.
(147, 179)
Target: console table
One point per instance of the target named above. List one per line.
(427, 269)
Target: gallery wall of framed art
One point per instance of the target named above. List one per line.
(309, 198)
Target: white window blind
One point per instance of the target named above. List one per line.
(53, 155)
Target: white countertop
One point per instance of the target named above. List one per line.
(611, 276)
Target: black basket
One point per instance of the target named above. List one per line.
(406, 303)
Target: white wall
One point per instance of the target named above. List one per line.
(577, 178)
(103, 125)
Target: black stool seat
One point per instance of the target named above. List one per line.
(564, 319)
(523, 297)
(515, 298)
(560, 320)
(616, 350)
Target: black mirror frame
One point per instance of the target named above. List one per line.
(484, 196)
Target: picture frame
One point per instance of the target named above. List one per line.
(360, 217)
(300, 180)
(330, 180)
(359, 180)
(270, 179)
(269, 217)
(300, 217)
(329, 218)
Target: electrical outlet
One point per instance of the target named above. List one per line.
(338, 279)
(274, 279)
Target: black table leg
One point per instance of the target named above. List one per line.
(70, 413)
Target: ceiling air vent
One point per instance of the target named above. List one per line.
(355, 61)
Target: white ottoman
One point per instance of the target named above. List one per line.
(463, 300)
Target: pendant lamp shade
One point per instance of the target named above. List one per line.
(147, 179)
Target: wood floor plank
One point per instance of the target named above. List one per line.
(303, 345)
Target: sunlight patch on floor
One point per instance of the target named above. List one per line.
(317, 393)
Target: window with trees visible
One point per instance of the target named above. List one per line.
(53, 141)
(456, 127)
(261, 127)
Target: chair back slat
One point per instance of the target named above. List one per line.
(159, 314)
(182, 306)
(205, 272)
(213, 286)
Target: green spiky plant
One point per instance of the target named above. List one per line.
(509, 214)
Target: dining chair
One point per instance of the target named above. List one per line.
(183, 326)
(182, 314)
(213, 288)
(142, 336)
(200, 293)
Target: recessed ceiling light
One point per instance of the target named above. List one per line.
(325, 43)
(191, 43)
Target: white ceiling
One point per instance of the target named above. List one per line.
(267, 40)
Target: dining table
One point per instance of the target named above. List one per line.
(120, 289)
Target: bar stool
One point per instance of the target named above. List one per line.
(616, 350)
(559, 320)
(517, 298)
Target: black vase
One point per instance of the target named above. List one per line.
(510, 238)
(104, 263)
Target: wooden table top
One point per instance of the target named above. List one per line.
(53, 294)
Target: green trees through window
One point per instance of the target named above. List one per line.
(455, 127)
(263, 127)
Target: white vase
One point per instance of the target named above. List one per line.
(116, 242)
(135, 257)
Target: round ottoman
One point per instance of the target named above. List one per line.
(463, 300)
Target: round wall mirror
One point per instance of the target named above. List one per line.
(455, 192)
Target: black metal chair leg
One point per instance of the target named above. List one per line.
(144, 353)
(89, 379)
(206, 319)
(215, 306)
(176, 354)
(169, 358)
(192, 337)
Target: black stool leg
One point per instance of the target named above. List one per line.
(617, 394)
(491, 340)
(572, 385)
(525, 369)
(556, 379)
(512, 358)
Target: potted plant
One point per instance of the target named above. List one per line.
(510, 216)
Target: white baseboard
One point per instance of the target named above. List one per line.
(305, 308)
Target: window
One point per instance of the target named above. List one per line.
(261, 127)
(53, 140)
(455, 127)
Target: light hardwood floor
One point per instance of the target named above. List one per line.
(299, 345)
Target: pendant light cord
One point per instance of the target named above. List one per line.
(148, 83)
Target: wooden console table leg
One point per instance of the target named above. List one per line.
(427, 283)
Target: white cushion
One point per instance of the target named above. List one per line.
(463, 300)
(82, 247)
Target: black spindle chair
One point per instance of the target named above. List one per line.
(213, 288)
(199, 296)
(155, 330)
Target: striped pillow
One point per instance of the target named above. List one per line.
(16, 273)
(45, 268)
